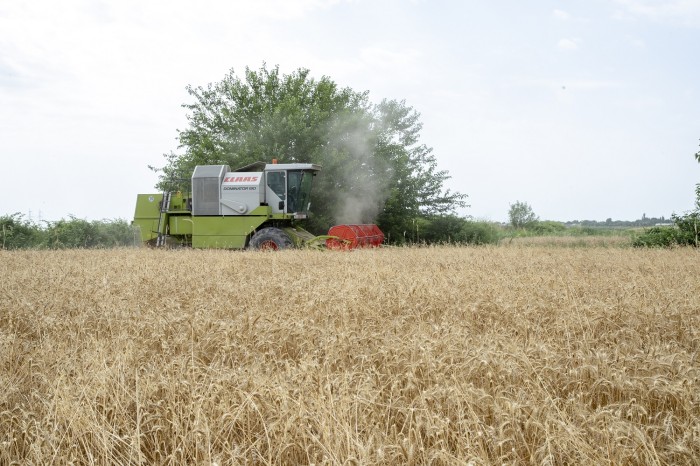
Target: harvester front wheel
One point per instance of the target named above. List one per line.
(270, 239)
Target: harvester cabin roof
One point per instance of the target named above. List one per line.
(263, 166)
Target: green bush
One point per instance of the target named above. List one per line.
(686, 231)
(660, 237)
(18, 233)
(115, 233)
(477, 232)
(79, 233)
(689, 225)
(441, 229)
(73, 233)
(546, 227)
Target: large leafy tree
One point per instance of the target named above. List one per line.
(521, 215)
(374, 167)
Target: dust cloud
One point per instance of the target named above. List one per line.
(363, 182)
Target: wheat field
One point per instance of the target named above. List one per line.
(444, 355)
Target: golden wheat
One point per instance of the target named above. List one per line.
(601, 241)
(518, 355)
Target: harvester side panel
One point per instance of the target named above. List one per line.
(224, 232)
(180, 225)
(206, 185)
(147, 214)
(241, 193)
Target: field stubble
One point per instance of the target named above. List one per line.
(414, 356)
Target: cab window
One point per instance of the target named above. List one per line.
(276, 182)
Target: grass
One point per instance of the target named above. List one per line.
(491, 355)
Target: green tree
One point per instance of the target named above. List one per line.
(521, 215)
(689, 223)
(416, 185)
(374, 167)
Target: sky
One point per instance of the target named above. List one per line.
(584, 109)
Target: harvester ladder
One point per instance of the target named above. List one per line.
(164, 206)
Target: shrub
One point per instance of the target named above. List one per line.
(547, 227)
(689, 225)
(73, 233)
(686, 231)
(115, 233)
(479, 232)
(442, 229)
(18, 233)
(662, 237)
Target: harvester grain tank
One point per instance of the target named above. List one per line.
(259, 206)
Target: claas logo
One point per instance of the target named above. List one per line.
(241, 179)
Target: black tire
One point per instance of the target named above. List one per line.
(270, 239)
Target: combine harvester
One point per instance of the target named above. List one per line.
(258, 206)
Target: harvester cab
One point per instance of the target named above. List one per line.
(257, 206)
(284, 188)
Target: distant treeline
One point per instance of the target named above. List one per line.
(610, 223)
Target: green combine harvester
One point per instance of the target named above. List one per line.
(258, 206)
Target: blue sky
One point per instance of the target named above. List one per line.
(584, 109)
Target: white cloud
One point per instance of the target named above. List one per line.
(684, 12)
(567, 44)
(591, 84)
(636, 42)
(566, 85)
(561, 15)
(389, 57)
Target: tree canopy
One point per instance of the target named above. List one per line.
(521, 215)
(375, 169)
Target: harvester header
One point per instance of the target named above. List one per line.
(258, 206)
